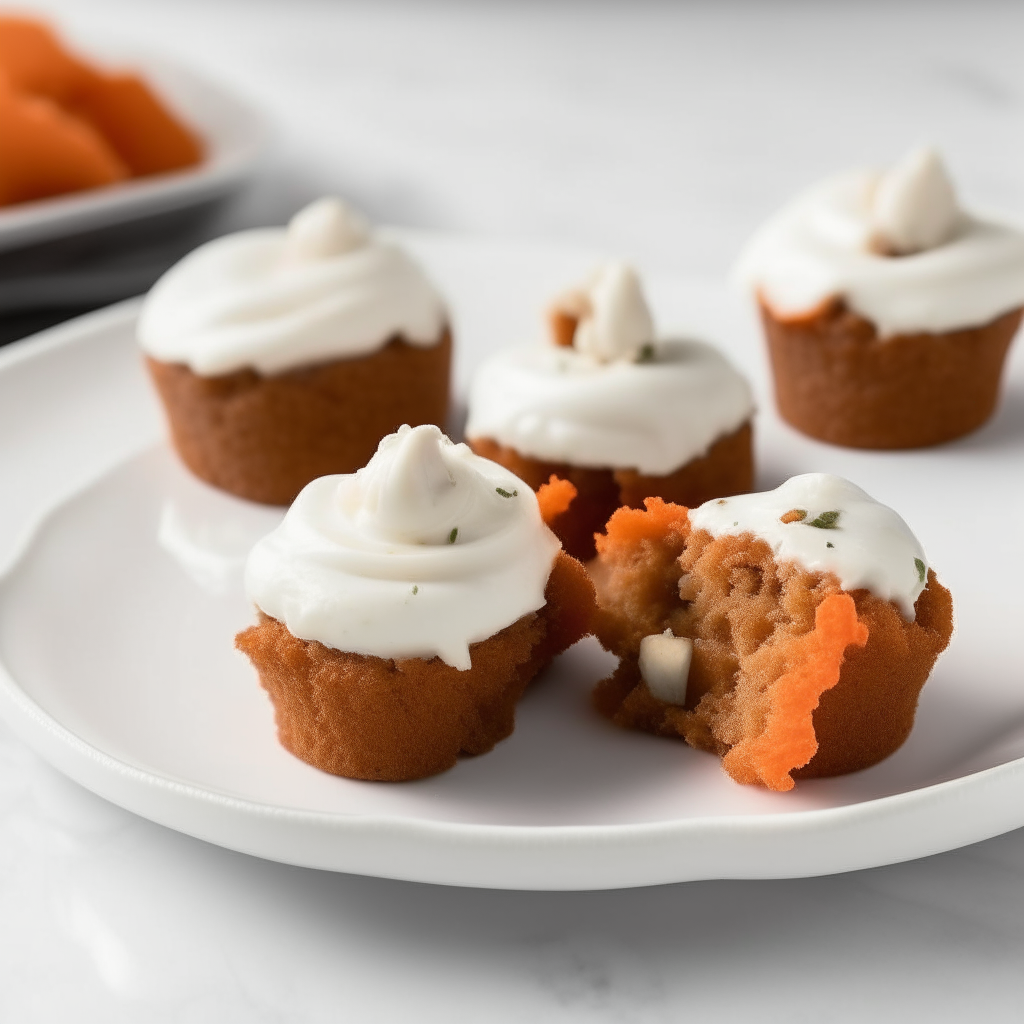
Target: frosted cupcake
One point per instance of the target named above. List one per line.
(621, 414)
(789, 632)
(283, 355)
(888, 309)
(405, 608)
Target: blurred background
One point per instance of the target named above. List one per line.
(661, 132)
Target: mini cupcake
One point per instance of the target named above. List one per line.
(620, 414)
(283, 355)
(404, 609)
(789, 632)
(888, 309)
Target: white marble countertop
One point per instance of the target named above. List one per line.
(662, 133)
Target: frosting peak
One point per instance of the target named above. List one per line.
(423, 552)
(275, 299)
(914, 205)
(420, 488)
(326, 228)
(836, 241)
(614, 321)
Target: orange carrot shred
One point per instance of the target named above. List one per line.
(787, 741)
(554, 498)
(629, 526)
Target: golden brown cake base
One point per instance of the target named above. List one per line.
(836, 380)
(790, 676)
(727, 468)
(265, 437)
(374, 718)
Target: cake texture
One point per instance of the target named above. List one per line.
(265, 437)
(726, 468)
(283, 355)
(619, 413)
(404, 609)
(397, 719)
(836, 380)
(792, 675)
(888, 309)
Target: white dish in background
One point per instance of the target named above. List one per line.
(116, 623)
(234, 135)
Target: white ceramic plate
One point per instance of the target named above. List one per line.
(235, 136)
(117, 616)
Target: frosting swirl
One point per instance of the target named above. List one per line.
(959, 270)
(426, 550)
(827, 524)
(562, 405)
(272, 299)
(613, 320)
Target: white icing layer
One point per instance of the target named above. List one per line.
(914, 205)
(615, 322)
(867, 546)
(273, 299)
(561, 405)
(665, 665)
(824, 245)
(369, 563)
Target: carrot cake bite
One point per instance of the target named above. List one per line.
(620, 413)
(789, 632)
(404, 609)
(286, 354)
(888, 309)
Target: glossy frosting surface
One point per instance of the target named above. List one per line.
(958, 270)
(562, 405)
(842, 530)
(426, 550)
(273, 299)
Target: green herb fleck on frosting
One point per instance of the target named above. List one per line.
(453, 535)
(826, 520)
(506, 494)
(922, 570)
(829, 544)
(646, 353)
(415, 589)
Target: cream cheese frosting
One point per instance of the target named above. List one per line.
(914, 205)
(827, 524)
(950, 269)
(273, 299)
(616, 398)
(426, 550)
(613, 319)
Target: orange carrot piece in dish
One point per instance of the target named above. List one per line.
(34, 62)
(137, 125)
(45, 152)
(65, 127)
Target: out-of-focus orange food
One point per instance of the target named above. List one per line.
(67, 126)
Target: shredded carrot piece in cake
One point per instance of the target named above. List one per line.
(554, 498)
(787, 740)
(630, 526)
